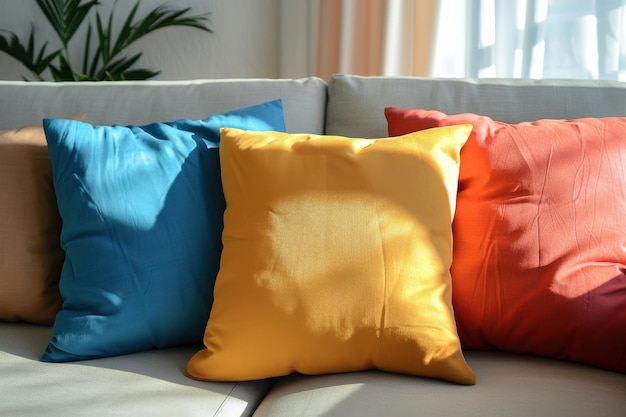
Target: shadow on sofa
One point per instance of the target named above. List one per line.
(510, 385)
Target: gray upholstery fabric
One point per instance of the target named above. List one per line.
(141, 102)
(507, 386)
(150, 383)
(356, 104)
(153, 383)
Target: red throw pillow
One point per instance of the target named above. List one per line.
(539, 235)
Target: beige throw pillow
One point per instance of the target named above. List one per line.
(30, 225)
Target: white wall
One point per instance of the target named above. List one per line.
(245, 42)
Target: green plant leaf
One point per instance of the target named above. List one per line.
(63, 72)
(56, 75)
(12, 46)
(65, 16)
(93, 68)
(104, 39)
(116, 67)
(76, 14)
(86, 51)
(106, 62)
(127, 27)
(140, 74)
(158, 18)
(123, 64)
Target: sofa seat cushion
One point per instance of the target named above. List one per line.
(509, 385)
(150, 383)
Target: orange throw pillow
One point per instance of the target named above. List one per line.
(539, 235)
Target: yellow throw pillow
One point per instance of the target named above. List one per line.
(336, 257)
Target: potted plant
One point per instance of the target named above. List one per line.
(105, 62)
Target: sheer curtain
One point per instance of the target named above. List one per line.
(531, 39)
(364, 37)
(455, 38)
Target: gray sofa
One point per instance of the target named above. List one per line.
(154, 382)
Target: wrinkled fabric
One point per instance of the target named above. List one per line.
(336, 257)
(142, 210)
(539, 242)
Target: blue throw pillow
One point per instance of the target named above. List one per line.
(142, 210)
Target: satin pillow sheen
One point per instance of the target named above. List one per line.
(539, 242)
(30, 225)
(142, 210)
(336, 257)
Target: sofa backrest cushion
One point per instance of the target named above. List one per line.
(356, 104)
(143, 102)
